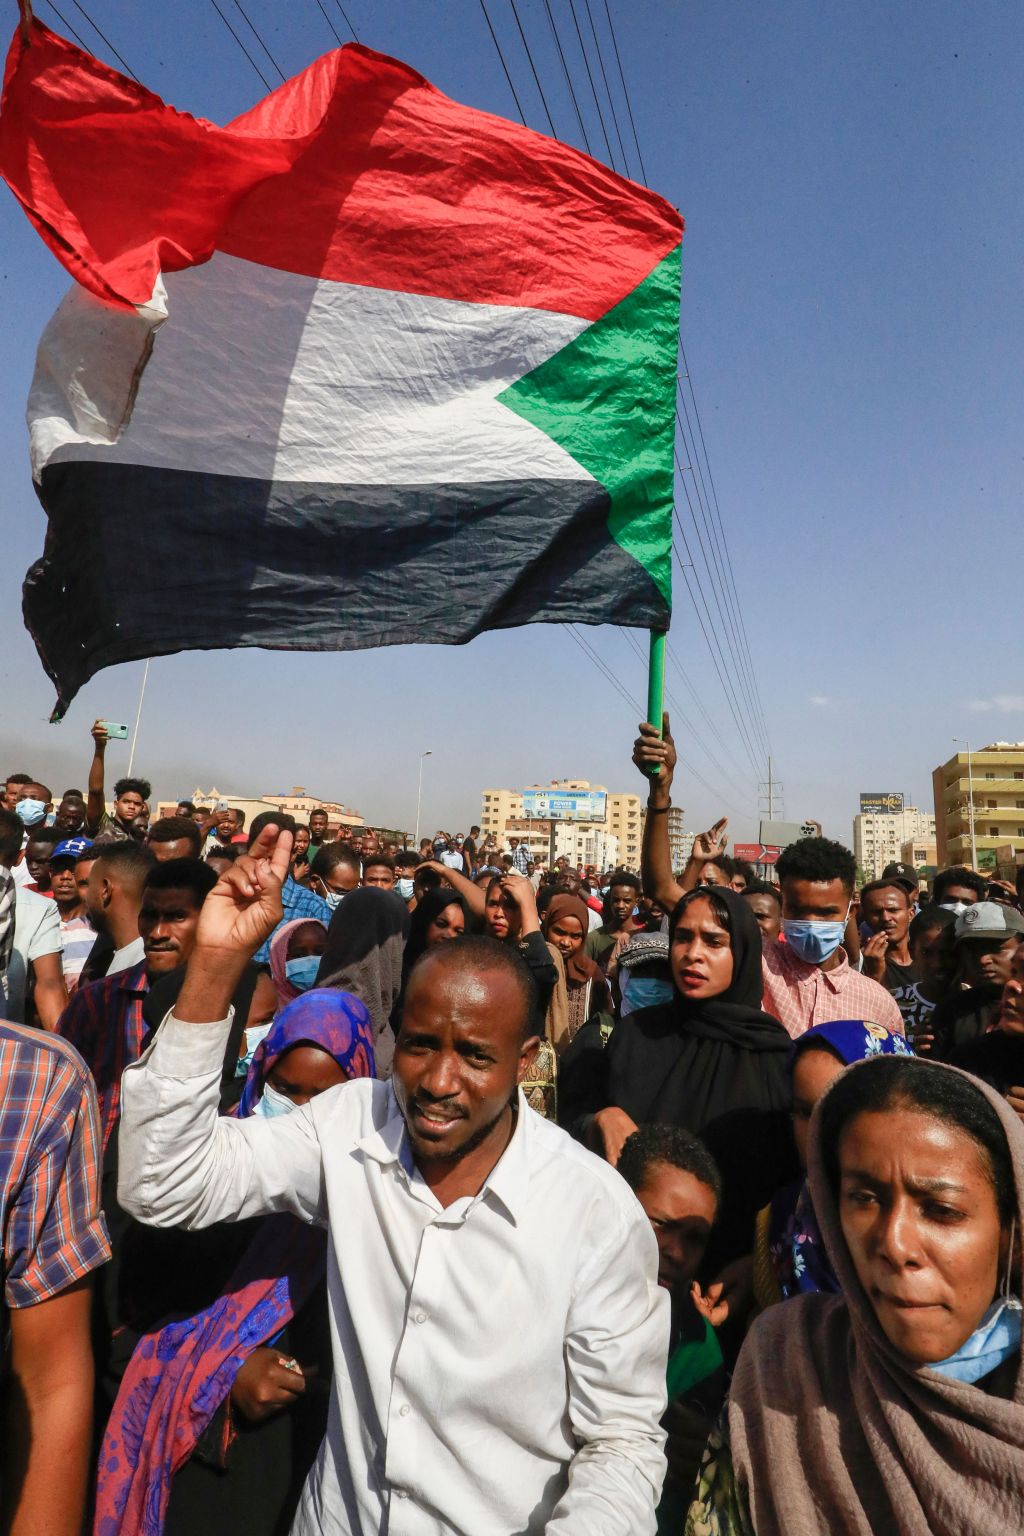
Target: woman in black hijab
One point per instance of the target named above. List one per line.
(710, 1061)
(365, 946)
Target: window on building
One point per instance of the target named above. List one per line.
(993, 831)
(992, 805)
(1018, 773)
(990, 775)
(1020, 831)
(1018, 805)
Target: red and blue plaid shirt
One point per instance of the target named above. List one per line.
(50, 1218)
(104, 1022)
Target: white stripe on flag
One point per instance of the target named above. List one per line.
(265, 374)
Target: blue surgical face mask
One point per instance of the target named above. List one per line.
(813, 942)
(404, 889)
(333, 898)
(996, 1338)
(272, 1104)
(30, 811)
(253, 1037)
(302, 971)
(644, 992)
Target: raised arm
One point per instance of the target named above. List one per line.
(651, 751)
(471, 894)
(180, 1162)
(95, 805)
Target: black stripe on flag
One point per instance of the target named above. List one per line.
(143, 561)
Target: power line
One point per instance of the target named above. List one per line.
(622, 77)
(533, 71)
(680, 715)
(709, 630)
(689, 380)
(241, 45)
(717, 592)
(337, 35)
(100, 33)
(568, 77)
(258, 38)
(607, 89)
(758, 708)
(501, 56)
(345, 19)
(68, 27)
(593, 87)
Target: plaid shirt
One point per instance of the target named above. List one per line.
(50, 1217)
(521, 856)
(297, 902)
(799, 995)
(104, 1023)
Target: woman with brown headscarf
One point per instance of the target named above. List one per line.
(565, 927)
(896, 1406)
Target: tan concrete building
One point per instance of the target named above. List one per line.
(298, 804)
(921, 852)
(995, 780)
(878, 837)
(502, 815)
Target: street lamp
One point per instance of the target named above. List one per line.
(960, 741)
(419, 796)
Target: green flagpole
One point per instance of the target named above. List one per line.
(656, 681)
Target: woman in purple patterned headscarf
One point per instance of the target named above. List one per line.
(207, 1417)
(789, 1255)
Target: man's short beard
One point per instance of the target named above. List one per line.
(476, 1140)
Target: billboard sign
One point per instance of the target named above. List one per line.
(884, 804)
(564, 805)
(756, 853)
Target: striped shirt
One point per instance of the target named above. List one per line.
(104, 1022)
(78, 936)
(50, 1217)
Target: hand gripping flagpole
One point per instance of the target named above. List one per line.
(656, 686)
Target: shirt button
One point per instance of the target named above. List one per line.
(420, 1317)
(404, 1410)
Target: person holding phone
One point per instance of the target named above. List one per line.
(128, 819)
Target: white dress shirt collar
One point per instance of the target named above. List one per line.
(508, 1181)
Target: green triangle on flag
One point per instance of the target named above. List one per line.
(608, 399)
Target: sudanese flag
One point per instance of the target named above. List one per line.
(365, 367)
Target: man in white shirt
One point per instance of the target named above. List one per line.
(36, 944)
(498, 1333)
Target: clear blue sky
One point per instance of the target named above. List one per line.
(850, 178)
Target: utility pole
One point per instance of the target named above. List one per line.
(419, 797)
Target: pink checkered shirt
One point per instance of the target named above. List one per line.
(799, 995)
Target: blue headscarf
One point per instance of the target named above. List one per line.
(795, 1244)
(335, 1021)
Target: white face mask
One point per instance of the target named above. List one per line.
(404, 889)
(273, 1103)
(954, 906)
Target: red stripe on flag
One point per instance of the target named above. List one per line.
(357, 170)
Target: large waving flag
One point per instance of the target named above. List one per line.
(364, 367)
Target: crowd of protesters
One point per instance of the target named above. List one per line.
(347, 1187)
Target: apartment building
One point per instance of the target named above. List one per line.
(879, 836)
(502, 815)
(990, 783)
